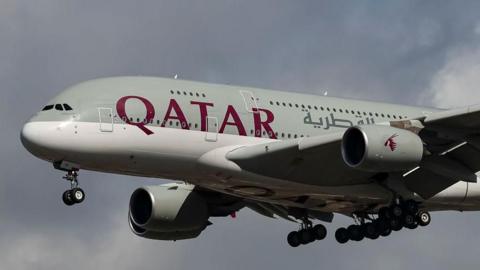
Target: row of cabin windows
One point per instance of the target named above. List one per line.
(186, 94)
(252, 132)
(58, 107)
(376, 114)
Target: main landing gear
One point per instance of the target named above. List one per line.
(307, 234)
(393, 218)
(75, 194)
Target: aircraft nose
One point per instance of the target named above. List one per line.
(35, 139)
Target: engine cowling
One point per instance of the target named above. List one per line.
(378, 148)
(170, 208)
(154, 235)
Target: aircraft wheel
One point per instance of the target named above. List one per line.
(293, 239)
(371, 231)
(355, 233)
(78, 195)
(396, 224)
(396, 211)
(413, 226)
(342, 235)
(410, 206)
(423, 218)
(68, 198)
(386, 232)
(306, 236)
(382, 225)
(384, 213)
(409, 220)
(319, 231)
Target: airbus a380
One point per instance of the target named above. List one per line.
(299, 157)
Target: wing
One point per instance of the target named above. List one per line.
(453, 139)
(312, 160)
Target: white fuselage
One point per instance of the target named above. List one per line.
(197, 156)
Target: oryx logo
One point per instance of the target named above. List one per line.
(390, 142)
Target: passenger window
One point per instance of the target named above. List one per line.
(67, 107)
(47, 108)
(58, 107)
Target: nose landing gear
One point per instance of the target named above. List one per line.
(75, 194)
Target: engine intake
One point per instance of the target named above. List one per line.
(378, 148)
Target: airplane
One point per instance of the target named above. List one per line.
(299, 157)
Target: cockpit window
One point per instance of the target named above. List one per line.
(58, 107)
(67, 107)
(47, 108)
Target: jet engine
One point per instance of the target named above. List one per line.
(378, 148)
(168, 212)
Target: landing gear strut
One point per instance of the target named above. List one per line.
(392, 218)
(307, 234)
(75, 194)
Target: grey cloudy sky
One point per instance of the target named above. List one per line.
(410, 52)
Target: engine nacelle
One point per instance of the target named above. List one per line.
(378, 148)
(154, 235)
(167, 209)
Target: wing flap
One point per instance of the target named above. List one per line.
(427, 183)
(452, 138)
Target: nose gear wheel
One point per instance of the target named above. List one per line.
(75, 194)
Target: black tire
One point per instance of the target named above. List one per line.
(382, 225)
(396, 224)
(396, 211)
(306, 236)
(371, 231)
(78, 195)
(410, 206)
(409, 220)
(355, 232)
(386, 232)
(293, 239)
(67, 198)
(412, 227)
(319, 231)
(423, 218)
(342, 235)
(384, 213)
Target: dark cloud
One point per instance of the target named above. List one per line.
(404, 52)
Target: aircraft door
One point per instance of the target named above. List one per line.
(212, 129)
(249, 100)
(105, 119)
